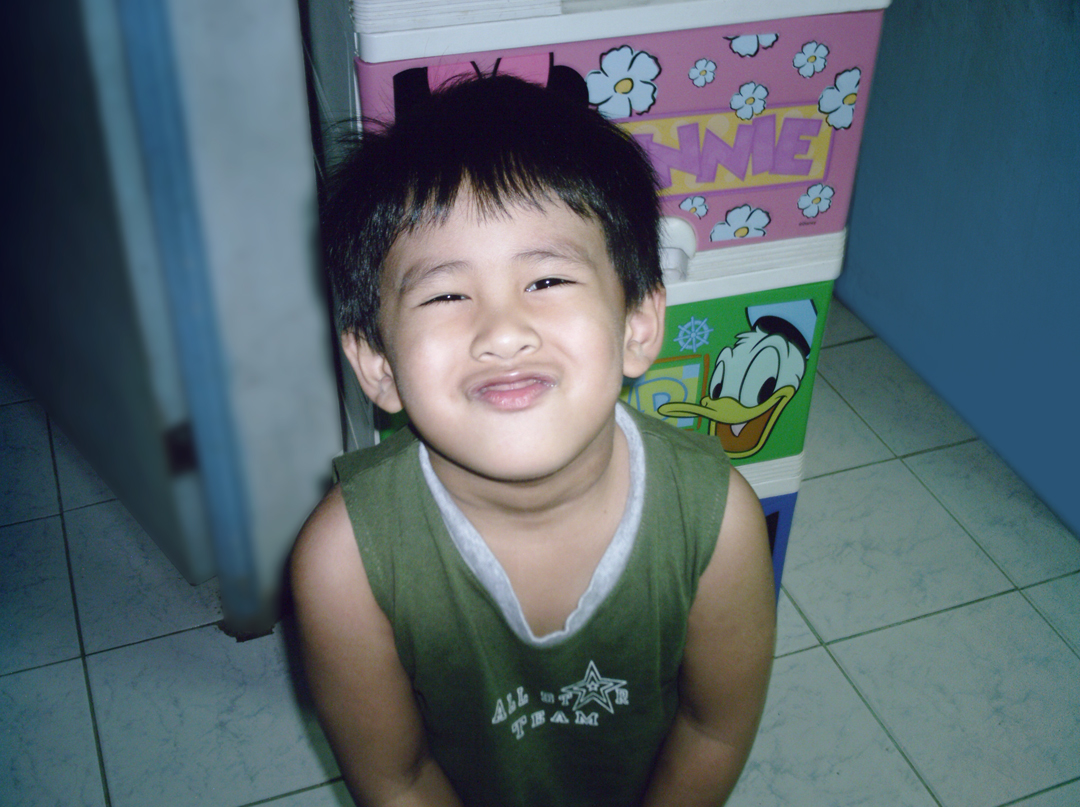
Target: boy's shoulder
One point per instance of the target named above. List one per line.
(678, 443)
(685, 467)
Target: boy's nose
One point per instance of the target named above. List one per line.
(504, 333)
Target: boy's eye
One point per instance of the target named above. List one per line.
(547, 283)
(444, 298)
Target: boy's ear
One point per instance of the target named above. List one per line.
(644, 333)
(373, 371)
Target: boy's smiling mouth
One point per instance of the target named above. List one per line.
(513, 391)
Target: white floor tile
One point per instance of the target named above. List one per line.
(1000, 511)
(79, 483)
(47, 750)
(984, 699)
(27, 481)
(819, 746)
(37, 617)
(871, 547)
(200, 719)
(334, 795)
(901, 409)
(1059, 602)
(843, 326)
(836, 438)
(126, 590)
(792, 632)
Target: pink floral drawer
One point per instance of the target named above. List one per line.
(753, 128)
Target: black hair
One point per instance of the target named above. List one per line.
(506, 142)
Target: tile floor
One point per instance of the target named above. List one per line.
(929, 649)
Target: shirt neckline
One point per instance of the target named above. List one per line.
(490, 573)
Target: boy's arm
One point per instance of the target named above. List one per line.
(363, 696)
(730, 643)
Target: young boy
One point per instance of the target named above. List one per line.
(533, 595)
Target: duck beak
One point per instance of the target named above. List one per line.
(742, 430)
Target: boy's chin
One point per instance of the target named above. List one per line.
(528, 458)
(513, 468)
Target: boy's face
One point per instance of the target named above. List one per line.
(507, 339)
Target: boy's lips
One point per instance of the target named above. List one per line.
(512, 391)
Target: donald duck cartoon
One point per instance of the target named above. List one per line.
(754, 380)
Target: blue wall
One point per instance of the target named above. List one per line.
(964, 248)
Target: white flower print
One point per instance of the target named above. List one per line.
(811, 59)
(748, 44)
(703, 72)
(741, 222)
(817, 199)
(838, 101)
(749, 100)
(624, 82)
(695, 205)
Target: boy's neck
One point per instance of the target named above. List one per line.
(592, 483)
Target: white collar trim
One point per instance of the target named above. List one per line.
(483, 563)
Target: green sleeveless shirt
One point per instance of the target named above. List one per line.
(513, 723)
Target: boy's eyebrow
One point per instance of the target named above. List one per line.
(561, 250)
(421, 272)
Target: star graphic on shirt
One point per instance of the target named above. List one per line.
(594, 688)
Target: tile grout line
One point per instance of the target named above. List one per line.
(920, 617)
(833, 300)
(942, 447)
(858, 692)
(894, 456)
(901, 458)
(827, 646)
(1017, 587)
(148, 639)
(91, 653)
(854, 340)
(805, 619)
(97, 735)
(310, 788)
(71, 574)
(16, 403)
(31, 520)
(77, 508)
(1054, 579)
(64, 533)
(884, 442)
(855, 412)
(1023, 593)
(1042, 792)
(870, 464)
(929, 450)
(960, 523)
(29, 405)
(78, 620)
(823, 376)
(900, 749)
